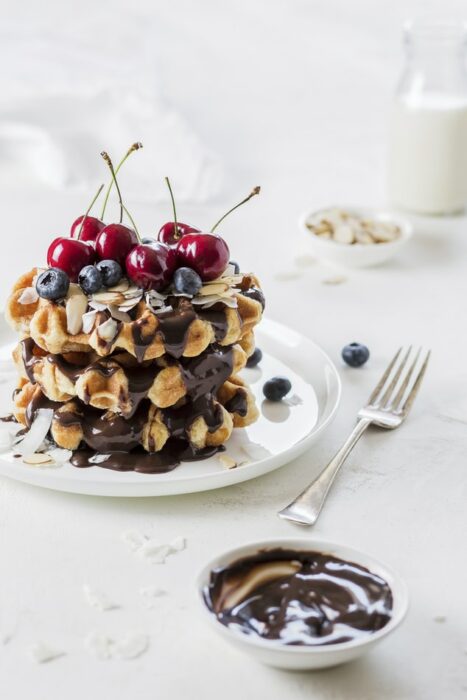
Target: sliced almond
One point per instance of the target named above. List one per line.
(122, 286)
(364, 237)
(129, 304)
(343, 233)
(227, 461)
(76, 307)
(108, 297)
(37, 458)
(97, 306)
(119, 315)
(107, 330)
(28, 296)
(89, 319)
(231, 280)
(210, 289)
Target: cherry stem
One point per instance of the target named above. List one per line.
(89, 209)
(134, 147)
(132, 222)
(254, 191)
(123, 208)
(176, 234)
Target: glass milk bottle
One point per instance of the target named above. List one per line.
(427, 158)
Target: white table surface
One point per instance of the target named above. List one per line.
(292, 96)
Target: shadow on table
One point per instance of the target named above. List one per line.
(363, 679)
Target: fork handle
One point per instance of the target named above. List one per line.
(307, 506)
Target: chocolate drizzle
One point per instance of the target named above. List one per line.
(320, 600)
(206, 373)
(238, 403)
(29, 359)
(173, 327)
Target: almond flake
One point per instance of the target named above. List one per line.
(122, 286)
(209, 289)
(29, 296)
(76, 306)
(89, 319)
(227, 461)
(37, 458)
(108, 297)
(119, 315)
(107, 330)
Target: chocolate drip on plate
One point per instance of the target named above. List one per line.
(138, 460)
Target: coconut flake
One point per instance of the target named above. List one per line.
(37, 432)
(104, 647)
(131, 646)
(41, 652)
(98, 599)
(60, 456)
(29, 296)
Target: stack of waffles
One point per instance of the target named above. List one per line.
(149, 375)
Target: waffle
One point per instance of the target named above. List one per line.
(119, 383)
(185, 331)
(204, 422)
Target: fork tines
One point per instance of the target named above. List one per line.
(399, 385)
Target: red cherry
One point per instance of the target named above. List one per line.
(206, 253)
(151, 266)
(115, 241)
(91, 228)
(168, 236)
(70, 255)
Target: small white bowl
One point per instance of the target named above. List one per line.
(357, 254)
(305, 658)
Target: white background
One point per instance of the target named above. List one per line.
(292, 95)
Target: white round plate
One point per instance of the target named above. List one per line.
(283, 431)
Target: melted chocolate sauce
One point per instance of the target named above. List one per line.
(29, 359)
(299, 598)
(39, 400)
(106, 433)
(206, 373)
(173, 327)
(138, 460)
(8, 419)
(179, 420)
(217, 318)
(238, 403)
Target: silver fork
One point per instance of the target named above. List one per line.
(387, 407)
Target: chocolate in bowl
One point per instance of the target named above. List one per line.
(299, 598)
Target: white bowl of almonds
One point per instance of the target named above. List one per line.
(355, 237)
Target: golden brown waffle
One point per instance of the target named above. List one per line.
(205, 422)
(119, 383)
(186, 331)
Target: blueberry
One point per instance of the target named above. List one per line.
(255, 358)
(90, 279)
(187, 281)
(236, 266)
(53, 284)
(276, 388)
(355, 354)
(111, 272)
